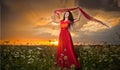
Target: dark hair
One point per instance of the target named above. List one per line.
(70, 17)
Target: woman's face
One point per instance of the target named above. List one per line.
(66, 14)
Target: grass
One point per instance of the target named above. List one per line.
(91, 57)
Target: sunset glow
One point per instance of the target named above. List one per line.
(29, 22)
(55, 43)
(25, 42)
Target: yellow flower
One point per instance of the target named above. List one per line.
(65, 57)
(64, 68)
(72, 66)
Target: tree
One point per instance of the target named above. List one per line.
(6, 42)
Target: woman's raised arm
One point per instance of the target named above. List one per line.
(78, 18)
(55, 21)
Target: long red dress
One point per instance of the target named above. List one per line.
(66, 57)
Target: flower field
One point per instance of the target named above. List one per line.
(26, 57)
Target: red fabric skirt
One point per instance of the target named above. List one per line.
(66, 56)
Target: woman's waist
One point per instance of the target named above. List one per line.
(64, 28)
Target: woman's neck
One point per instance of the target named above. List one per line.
(66, 19)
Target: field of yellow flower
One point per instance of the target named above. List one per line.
(91, 57)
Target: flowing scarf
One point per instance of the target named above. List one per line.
(57, 12)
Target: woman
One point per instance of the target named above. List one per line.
(66, 56)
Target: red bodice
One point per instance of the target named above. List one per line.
(64, 24)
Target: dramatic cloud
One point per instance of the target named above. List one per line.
(31, 19)
(92, 32)
(109, 18)
(100, 4)
(92, 27)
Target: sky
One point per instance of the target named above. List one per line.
(30, 21)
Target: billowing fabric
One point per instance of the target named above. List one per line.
(82, 12)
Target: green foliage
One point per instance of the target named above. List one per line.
(97, 57)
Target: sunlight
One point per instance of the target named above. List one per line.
(55, 43)
(55, 23)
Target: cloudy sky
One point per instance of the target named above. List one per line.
(30, 20)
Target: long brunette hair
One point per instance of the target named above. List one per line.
(70, 17)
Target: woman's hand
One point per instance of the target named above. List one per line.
(54, 19)
(78, 18)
